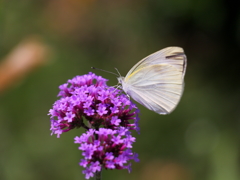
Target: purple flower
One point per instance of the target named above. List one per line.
(102, 109)
(88, 98)
(69, 116)
(109, 156)
(115, 120)
(110, 165)
(89, 111)
(106, 148)
(95, 166)
(89, 173)
(107, 115)
(83, 163)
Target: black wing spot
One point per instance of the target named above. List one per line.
(175, 55)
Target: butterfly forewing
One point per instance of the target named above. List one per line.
(171, 55)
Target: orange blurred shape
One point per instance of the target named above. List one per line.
(159, 170)
(28, 55)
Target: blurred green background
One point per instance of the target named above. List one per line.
(198, 141)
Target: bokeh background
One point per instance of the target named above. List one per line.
(44, 43)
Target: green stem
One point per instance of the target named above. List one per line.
(98, 175)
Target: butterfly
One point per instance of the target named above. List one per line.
(157, 81)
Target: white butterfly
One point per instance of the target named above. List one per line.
(157, 81)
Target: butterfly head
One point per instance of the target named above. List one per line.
(120, 79)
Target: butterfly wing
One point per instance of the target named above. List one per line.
(157, 81)
(171, 55)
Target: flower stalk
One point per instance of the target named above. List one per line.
(98, 175)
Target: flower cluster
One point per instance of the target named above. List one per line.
(106, 148)
(89, 97)
(106, 114)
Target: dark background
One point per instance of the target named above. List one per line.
(198, 141)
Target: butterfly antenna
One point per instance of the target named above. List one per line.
(105, 71)
(118, 72)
